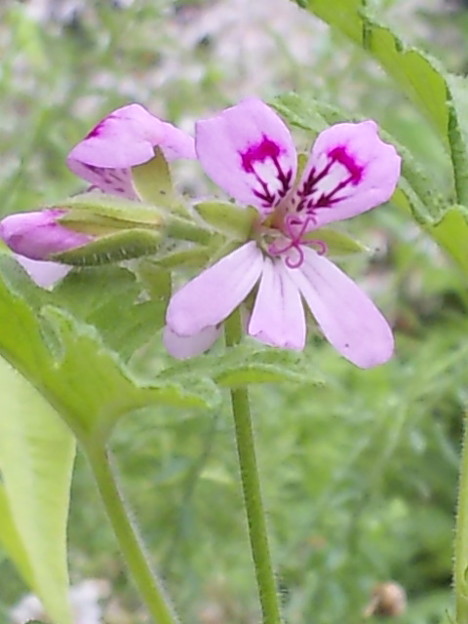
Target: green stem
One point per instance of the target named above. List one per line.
(129, 541)
(461, 539)
(251, 489)
(459, 157)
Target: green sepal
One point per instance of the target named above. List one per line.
(338, 243)
(153, 183)
(116, 247)
(227, 218)
(115, 212)
(195, 256)
(152, 180)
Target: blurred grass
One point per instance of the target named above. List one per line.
(360, 474)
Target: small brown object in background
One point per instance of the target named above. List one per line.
(388, 599)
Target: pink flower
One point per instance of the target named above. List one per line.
(125, 138)
(249, 152)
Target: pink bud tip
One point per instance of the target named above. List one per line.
(39, 235)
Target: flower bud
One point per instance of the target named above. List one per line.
(95, 228)
(39, 235)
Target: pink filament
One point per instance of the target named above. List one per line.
(296, 241)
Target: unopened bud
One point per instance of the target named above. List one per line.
(94, 228)
(40, 235)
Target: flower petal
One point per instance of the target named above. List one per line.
(112, 181)
(184, 347)
(211, 296)
(248, 151)
(278, 316)
(347, 317)
(125, 138)
(44, 274)
(38, 235)
(350, 170)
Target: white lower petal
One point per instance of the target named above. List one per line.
(44, 274)
(211, 296)
(184, 347)
(278, 315)
(347, 317)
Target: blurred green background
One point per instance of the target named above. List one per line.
(360, 472)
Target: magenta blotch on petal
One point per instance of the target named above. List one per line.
(184, 347)
(248, 151)
(278, 314)
(125, 138)
(350, 171)
(209, 298)
(347, 317)
(38, 235)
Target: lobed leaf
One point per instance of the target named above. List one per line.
(68, 362)
(440, 96)
(110, 299)
(248, 363)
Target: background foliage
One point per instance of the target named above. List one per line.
(359, 470)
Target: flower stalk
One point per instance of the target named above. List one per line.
(130, 544)
(251, 489)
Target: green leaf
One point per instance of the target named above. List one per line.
(452, 234)
(99, 296)
(227, 218)
(418, 75)
(68, 362)
(458, 133)
(11, 540)
(248, 363)
(436, 93)
(36, 460)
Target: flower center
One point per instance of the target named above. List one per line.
(291, 239)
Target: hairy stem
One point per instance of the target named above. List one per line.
(127, 536)
(251, 489)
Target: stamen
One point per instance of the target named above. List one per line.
(322, 246)
(295, 265)
(296, 240)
